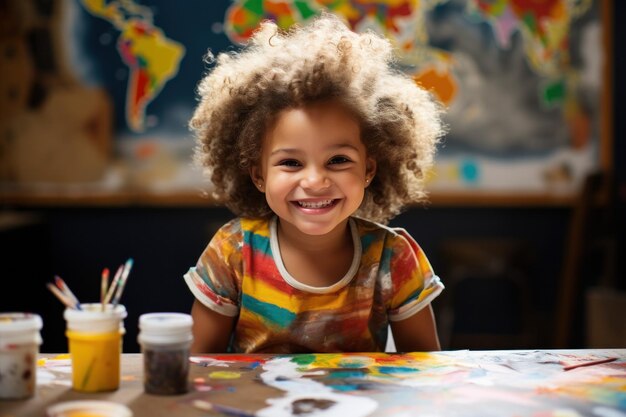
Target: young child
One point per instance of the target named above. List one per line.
(313, 139)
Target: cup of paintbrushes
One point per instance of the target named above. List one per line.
(95, 345)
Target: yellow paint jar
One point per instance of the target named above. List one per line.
(95, 346)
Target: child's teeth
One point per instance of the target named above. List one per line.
(317, 204)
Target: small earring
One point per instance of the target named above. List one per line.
(367, 180)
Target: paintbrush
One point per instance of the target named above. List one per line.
(104, 284)
(66, 290)
(589, 363)
(231, 411)
(114, 283)
(122, 284)
(67, 301)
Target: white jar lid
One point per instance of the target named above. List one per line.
(100, 408)
(165, 328)
(19, 328)
(91, 318)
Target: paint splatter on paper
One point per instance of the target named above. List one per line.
(463, 383)
(224, 375)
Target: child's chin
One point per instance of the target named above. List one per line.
(317, 229)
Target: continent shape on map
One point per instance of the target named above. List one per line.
(152, 58)
(544, 26)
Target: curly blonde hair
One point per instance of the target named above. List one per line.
(243, 94)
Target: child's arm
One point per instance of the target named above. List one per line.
(211, 330)
(418, 333)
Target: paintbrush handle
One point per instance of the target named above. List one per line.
(66, 289)
(589, 363)
(104, 284)
(116, 280)
(61, 296)
(225, 409)
(122, 284)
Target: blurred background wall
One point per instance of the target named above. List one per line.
(95, 160)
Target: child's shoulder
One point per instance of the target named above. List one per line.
(371, 228)
(230, 237)
(395, 240)
(242, 225)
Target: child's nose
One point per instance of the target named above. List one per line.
(315, 179)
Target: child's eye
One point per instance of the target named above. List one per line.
(289, 163)
(338, 160)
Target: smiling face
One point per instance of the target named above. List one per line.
(314, 168)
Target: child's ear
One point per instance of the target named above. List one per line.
(370, 170)
(257, 178)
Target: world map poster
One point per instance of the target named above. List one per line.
(521, 80)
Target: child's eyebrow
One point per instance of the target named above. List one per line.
(294, 150)
(284, 150)
(345, 145)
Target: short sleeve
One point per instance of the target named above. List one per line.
(215, 281)
(414, 283)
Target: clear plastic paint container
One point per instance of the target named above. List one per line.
(88, 409)
(165, 339)
(95, 346)
(19, 346)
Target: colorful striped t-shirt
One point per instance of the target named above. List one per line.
(241, 274)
